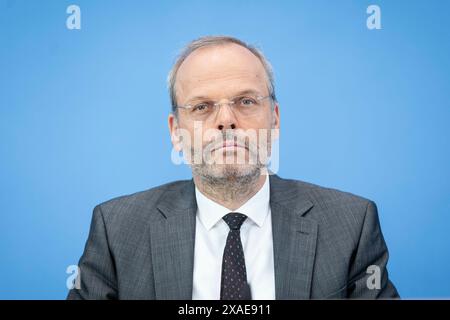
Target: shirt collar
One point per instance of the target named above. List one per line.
(256, 208)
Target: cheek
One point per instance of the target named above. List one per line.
(199, 136)
(259, 122)
(192, 131)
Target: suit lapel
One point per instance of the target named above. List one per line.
(294, 240)
(172, 243)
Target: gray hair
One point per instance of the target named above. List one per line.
(215, 41)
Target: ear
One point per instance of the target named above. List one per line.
(175, 137)
(276, 120)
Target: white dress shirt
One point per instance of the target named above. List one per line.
(256, 235)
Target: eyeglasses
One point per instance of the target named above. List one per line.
(245, 105)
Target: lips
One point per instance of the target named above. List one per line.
(228, 144)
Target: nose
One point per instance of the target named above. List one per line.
(225, 118)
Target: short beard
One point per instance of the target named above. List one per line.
(227, 182)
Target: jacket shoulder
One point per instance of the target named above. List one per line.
(142, 202)
(337, 212)
(324, 196)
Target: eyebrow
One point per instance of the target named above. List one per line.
(240, 93)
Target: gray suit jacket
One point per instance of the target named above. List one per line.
(141, 246)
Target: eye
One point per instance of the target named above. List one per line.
(247, 102)
(201, 107)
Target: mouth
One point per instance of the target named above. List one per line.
(228, 146)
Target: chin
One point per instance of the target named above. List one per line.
(233, 170)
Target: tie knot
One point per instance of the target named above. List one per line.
(235, 220)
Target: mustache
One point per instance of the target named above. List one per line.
(229, 139)
(251, 148)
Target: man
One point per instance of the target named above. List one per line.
(235, 231)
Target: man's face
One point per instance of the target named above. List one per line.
(222, 143)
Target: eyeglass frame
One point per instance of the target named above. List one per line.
(229, 103)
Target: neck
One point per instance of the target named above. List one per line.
(231, 193)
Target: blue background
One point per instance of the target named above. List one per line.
(83, 118)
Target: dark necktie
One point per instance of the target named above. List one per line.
(234, 284)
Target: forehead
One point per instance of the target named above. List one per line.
(219, 71)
